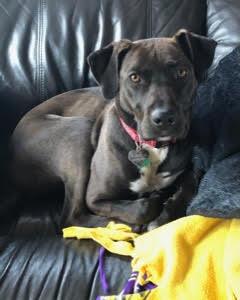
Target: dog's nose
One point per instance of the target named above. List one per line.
(162, 117)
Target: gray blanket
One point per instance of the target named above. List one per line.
(216, 129)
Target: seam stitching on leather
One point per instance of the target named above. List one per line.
(151, 19)
(37, 54)
(43, 92)
(149, 23)
(40, 48)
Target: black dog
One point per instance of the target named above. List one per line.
(115, 157)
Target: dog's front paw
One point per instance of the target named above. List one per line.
(150, 209)
(159, 221)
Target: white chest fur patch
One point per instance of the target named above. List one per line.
(150, 180)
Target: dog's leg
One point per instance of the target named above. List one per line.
(73, 206)
(175, 207)
(75, 211)
(139, 211)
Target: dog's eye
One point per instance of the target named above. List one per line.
(135, 77)
(182, 73)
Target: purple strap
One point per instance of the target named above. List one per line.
(131, 285)
(103, 278)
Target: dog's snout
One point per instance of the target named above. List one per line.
(162, 117)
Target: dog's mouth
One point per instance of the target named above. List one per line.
(169, 136)
(164, 140)
(161, 139)
(168, 139)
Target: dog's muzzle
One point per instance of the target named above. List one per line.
(162, 118)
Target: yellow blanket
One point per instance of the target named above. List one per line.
(195, 257)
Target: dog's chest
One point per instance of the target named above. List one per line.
(150, 180)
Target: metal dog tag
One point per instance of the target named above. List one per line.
(139, 157)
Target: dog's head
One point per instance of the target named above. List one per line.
(154, 80)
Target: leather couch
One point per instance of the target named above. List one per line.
(43, 49)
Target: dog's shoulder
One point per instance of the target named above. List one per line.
(103, 122)
(96, 129)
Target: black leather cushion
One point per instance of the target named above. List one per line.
(223, 25)
(49, 268)
(166, 17)
(35, 264)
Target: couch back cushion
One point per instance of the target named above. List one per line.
(44, 43)
(223, 25)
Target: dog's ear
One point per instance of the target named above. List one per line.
(199, 50)
(105, 66)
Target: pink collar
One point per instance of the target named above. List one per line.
(135, 136)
